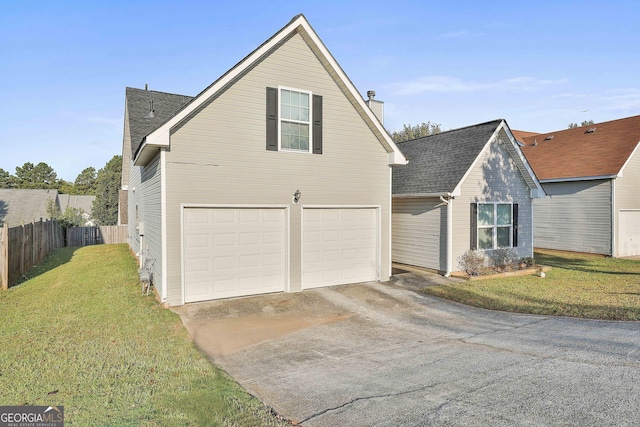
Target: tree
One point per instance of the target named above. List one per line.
(105, 207)
(583, 124)
(72, 217)
(39, 176)
(5, 179)
(86, 181)
(410, 132)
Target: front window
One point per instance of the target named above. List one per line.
(295, 113)
(495, 225)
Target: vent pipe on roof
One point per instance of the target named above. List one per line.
(152, 113)
(376, 106)
(146, 86)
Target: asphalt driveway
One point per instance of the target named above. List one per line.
(381, 354)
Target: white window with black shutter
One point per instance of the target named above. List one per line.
(494, 225)
(294, 120)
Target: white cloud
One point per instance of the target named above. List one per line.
(445, 84)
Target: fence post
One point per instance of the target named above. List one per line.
(4, 257)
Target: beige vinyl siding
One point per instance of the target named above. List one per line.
(494, 178)
(150, 213)
(627, 196)
(419, 232)
(576, 216)
(133, 201)
(219, 156)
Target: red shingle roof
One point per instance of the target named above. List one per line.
(579, 153)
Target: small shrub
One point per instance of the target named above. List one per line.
(528, 261)
(505, 259)
(472, 262)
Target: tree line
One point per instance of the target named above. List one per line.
(103, 183)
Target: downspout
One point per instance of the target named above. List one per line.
(449, 234)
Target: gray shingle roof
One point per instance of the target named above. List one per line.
(437, 163)
(165, 105)
(23, 206)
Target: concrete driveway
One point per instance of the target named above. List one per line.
(381, 354)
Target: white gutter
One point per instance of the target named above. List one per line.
(449, 204)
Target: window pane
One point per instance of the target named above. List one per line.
(304, 143)
(485, 238)
(285, 112)
(504, 214)
(304, 100)
(285, 97)
(485, 214)
(504, 237)
(304, 114)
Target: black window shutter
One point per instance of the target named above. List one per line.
(474, 226)
(515, 225)
(317, 124)
(272, 119)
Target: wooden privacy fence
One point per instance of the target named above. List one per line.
(98, 235)
(24, 246)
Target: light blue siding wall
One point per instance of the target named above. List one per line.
(495, 178)
(419, 232)
(576, 216)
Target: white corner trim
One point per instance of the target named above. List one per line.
(163, 222)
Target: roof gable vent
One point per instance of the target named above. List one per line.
(549, 138)
(591, 130)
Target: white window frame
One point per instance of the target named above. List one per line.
(494, 227)
(308, 123)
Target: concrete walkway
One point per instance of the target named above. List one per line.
(381, 354)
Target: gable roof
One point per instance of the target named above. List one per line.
(574, 154)
(165, 105)
(439, 163)
(160, 137)
(84, 203)
(18, 206)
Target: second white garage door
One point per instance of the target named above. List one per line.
(230, 252)
(629, 236)
(339, 246)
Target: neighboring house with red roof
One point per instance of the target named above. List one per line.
(592, 179)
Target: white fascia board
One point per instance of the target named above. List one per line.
(395, 155)
(633, 153)
(539, 190)
(578, 178)
(422, 195)
(161, 136)
(458, 190)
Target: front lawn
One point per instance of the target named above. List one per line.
(579, 285)
(79, 334)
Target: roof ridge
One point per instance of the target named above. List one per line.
(157, 91)
(454, 130)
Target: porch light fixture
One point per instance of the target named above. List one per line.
(296, 196)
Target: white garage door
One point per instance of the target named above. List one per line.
(629, 237)
(230, 252)
(339, 246)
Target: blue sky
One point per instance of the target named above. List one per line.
(540, 65)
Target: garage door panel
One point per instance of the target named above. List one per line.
(339, 246)
(235, 252)
(629, 234)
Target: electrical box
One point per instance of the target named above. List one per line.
(141, 228)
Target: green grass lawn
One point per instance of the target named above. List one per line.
(79, 334)
(579, 285)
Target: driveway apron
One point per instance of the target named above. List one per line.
(382, 354)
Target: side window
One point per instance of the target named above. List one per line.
(294, 120)
(494, 225)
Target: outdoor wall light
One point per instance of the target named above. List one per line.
(296, 196)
